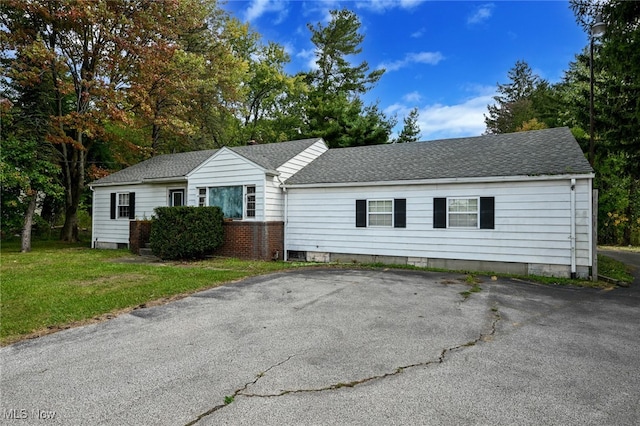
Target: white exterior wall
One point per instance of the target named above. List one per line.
(227, 168)
(109, 232)
(274, 195)
(296, 164)
(532, 222)
(274, 198)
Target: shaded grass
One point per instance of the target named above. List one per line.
(56, 285)
(632, 249)
(613, 269)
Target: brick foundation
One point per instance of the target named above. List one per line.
(252, 240)
(245, 240)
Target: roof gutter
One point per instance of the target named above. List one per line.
(138, 182)
(167, 179)
(442, 181)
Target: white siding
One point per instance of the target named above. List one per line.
(274, 199)
(274, 195)
(532, 223)
(116, 231)
(296, 164)
(227, 168)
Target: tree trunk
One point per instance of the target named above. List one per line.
(69, 231)
(28, 223)
(73, 172)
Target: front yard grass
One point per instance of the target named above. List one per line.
(56, 286)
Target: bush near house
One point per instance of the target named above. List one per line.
(186, 232)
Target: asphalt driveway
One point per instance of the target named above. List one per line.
(326, 346)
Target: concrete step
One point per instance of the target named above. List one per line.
(146, 251)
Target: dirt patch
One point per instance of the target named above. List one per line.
(113, 279)
(145, 260)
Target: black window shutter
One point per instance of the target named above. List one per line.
(439, 212)
(487, 212)
(113, 205)
(361, 213)
(400, 213)
(132, 205)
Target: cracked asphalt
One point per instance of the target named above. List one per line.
(335, 346)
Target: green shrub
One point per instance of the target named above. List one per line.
(186, 232)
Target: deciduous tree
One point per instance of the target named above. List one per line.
(93, 49)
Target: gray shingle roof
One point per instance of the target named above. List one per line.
(539, 152)
(269, 156)
(273, 155)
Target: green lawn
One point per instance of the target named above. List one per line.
(59, 285)
(613, 269)
(56, 285)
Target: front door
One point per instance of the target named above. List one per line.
(176, 197)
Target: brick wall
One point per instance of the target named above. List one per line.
(139, 232)
(252, 240)
(245, 240)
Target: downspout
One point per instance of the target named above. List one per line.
(93, 207)
(286, 217)
(573, 228)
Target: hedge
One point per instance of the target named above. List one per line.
(186, 232)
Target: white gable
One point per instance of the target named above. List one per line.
(224, 158)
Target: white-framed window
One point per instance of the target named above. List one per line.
(202, 197)
(176, 197)
(236, 202)
(380, 212)
(250, 201)
(463, 212)
(123, 206)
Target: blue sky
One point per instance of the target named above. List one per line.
(443, 57)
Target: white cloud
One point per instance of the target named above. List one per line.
(257, 8)
(382, 6)
(481, 14)
(309, 55)
(319, 11)
(438, 121)
(431, 58)
(412, 98)
(418, 34)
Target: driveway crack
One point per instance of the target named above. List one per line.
(229, 399)
(242, 391)
(482, 337)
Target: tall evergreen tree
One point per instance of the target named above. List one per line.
(616, 67)
(411, 130)
(514, 105)
(333, 108)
